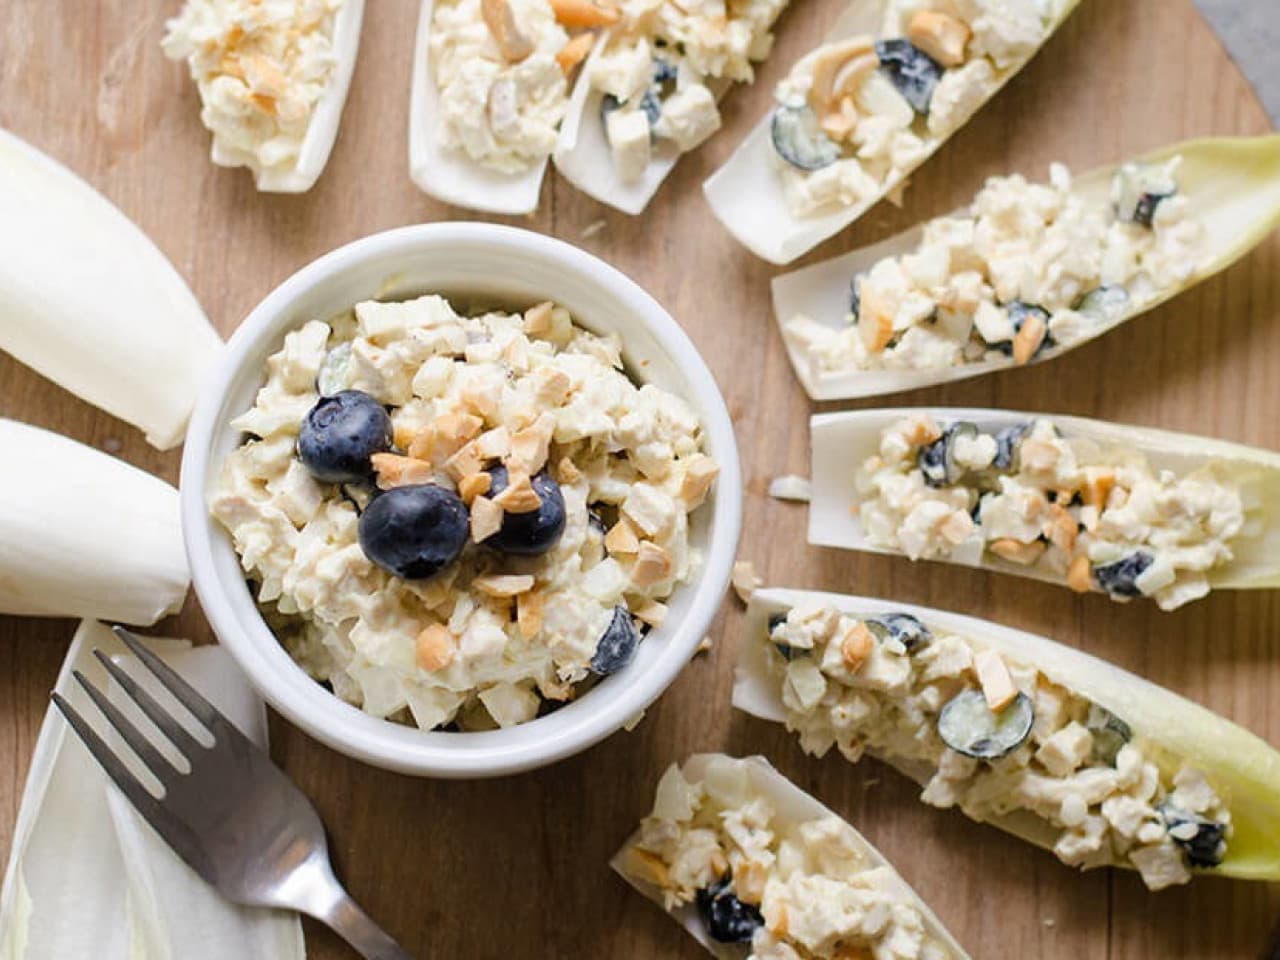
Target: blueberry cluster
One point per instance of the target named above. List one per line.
(415, 531)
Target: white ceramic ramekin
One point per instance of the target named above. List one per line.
(506, 265)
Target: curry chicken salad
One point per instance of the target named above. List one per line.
(1027, 268)
(261, 67)
(996, 738)
(663, 66)
(502, 69)
(1097, 517)
(461, 519)
(785, 888)
(858, 113)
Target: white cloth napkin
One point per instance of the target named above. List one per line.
(88, 879)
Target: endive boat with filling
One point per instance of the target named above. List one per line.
(1028, 271)
(273, 77)
(748, 862)
(650, 91)
(856, 116)
(90, 302)
(84, 534)
(1126, 511)
(1051, 744)
(491, 83)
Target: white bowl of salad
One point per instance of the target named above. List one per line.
(461, 499)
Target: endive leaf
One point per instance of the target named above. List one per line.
(451, 175)
(91, 303)
(86, 878)
(1232, 186)
(792, 807)
(841, 442)
(747, 195)
(84, 534)
(1243, 769)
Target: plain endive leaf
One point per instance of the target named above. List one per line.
(87, 300)
(1232, 185)
(1241, 766)
(83, 534)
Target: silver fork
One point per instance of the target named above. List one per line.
(236, 819)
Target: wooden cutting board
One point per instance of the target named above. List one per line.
(516, 867)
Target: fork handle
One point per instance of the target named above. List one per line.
(345, 918)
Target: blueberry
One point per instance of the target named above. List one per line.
(799, 139)
(1203, 842)
(855, 294)
(903, 627)
(1019, 311)
(664, 71)
(618, 645)
(1007, 441)
(416, 531)
(727, 918)
(1120, 578)
(533, 533)
(937, 461)
(912, 71)
(339, 435)
(652, 107)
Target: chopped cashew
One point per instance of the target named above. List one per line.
(501, 21)
(394, 470)
(997, 685)
(745, 580)
(940, 36)
(435, 647)
(575, 51)
(486, 518)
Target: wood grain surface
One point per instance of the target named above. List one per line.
(515, 868)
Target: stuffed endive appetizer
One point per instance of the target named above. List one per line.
(753, 866)
(649, 93)
(83, 534)
(88, 300)
(491, 83)
(1127, 511)
(1028, 271)
(1055, 746)
(857, 115)
(273, 78)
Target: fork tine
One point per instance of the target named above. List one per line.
(129, 785)
(156, 761)
(168, 724)
(202, 709)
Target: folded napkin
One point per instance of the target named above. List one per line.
(88, 879)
